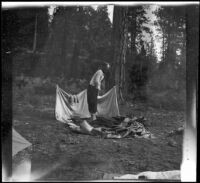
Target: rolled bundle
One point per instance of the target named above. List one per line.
(70, 99)
(76, 99)
(73, 99)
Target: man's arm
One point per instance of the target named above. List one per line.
(98, 80)
(102, 87)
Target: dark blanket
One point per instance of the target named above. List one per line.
(119, 127)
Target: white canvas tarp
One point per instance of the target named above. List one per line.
(107, 105)
(165, 175)
(18, 142)
(148, 175)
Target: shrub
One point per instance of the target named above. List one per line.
(34, 100)
(168, 99)
(46, 89)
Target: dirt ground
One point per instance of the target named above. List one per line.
(65, 155)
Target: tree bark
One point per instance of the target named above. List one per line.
(120, 39)
(163, 48)
(63, 51)
(133, 31)
(35, 35)
(75, 60)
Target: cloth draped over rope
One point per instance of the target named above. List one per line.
(67, 108)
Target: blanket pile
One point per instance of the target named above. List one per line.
(122, 127)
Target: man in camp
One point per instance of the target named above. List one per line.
(94, 87)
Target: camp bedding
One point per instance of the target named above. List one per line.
(109, 122)
(112, 128)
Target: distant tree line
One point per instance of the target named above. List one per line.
(79, 38)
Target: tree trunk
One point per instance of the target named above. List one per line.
(120, 39)
(63, 51)
(35, 35)
(133, 32)
(33, 61)
(74, 62)
(163, 48)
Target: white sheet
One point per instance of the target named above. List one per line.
(107, 105)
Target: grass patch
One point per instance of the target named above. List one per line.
(168, 100)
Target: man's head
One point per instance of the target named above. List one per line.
(105, 67)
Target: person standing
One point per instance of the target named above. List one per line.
(94, 87)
